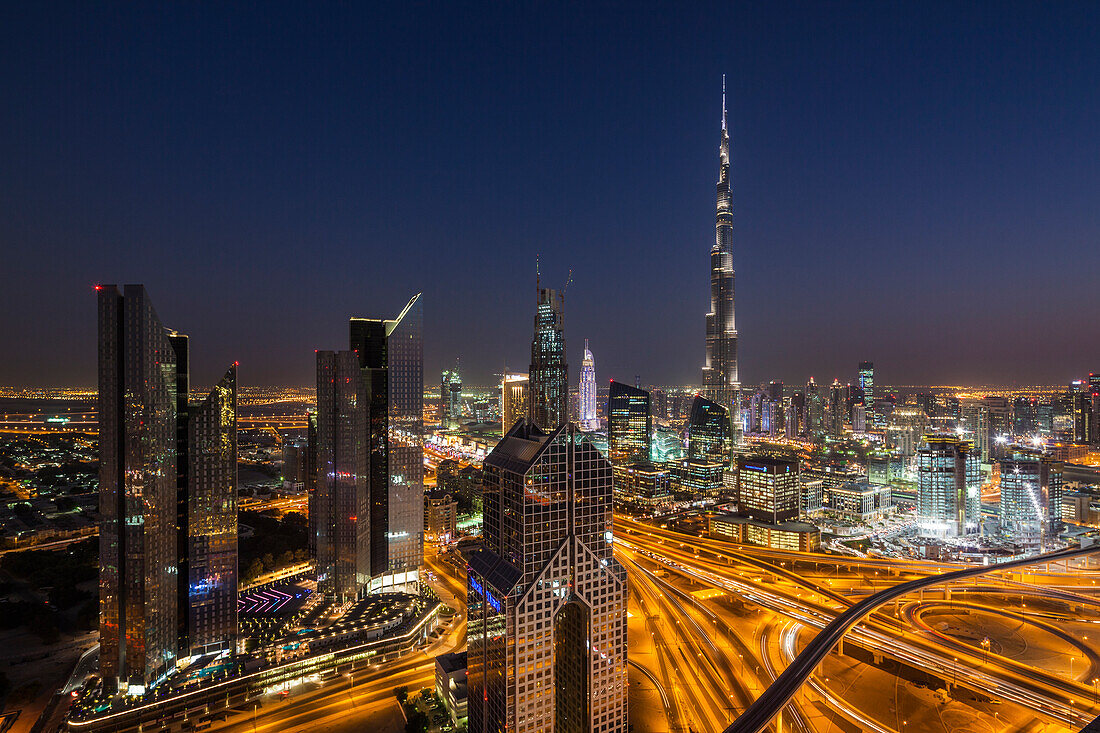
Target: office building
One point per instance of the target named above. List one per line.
(546, 599)
(513, 400)
(793, 536)
(709, 431)
(212, 520)
(644, 486)
(1031, 497)
(451, 685)
(450, 399)
(586, 393)
(629, 425)
(440, 516)
(391, 365)
(549, 381)
(948, 486)
(837, 410)
(866, 394)
(859, 501)
(768, 488)
(167, 497)
(698, 479)
(721, 382)
(342, 493)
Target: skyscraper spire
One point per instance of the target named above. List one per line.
(723, 101)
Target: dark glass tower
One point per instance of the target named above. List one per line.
(212, 519)
(867, 388)
(549, 383)
(721, 382)
(391, 363)
(138, 502)
(545, 597)
(629, 425)
(709, 431)
(341, 497)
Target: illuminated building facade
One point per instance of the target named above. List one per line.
(212, 519)
(642, 486)
(546, 599)
(514, 394)
(837, 409)
(138, 551)
(549, 381)
(769, 488)
(948, 486)
(167, 496)
(698, 479)
(859, 501)
(629, 425)
(450, 399)
(709, 431)
(721, 382)
(867, 394)
(1031, 497)
(586, 393)
(342, 497)
(391, 361)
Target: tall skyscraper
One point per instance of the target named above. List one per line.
(167, 496)
(514, 395)
(138, 553)
(450, 399)
(629, 424)
(709, 431)
(721, 382)
(586, 393)
(1031, 497)
(211, 527)
(546, 599)
(948, 486)
(837, 409)
(391, 362)
(549, 381)
(867, 390)
(342, 500)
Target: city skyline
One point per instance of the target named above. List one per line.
(967, 158)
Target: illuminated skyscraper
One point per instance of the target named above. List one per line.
(867, 390)
(212, 519)
(586, 393)
(709, 431)
(513, 400)
(948, 486)
(549, 381)
(837, 410)
(721, 382)
(138, 550)
(546, 599)
(1031, 497)
(450, 399)
(342, 498)
(768, 488)
(391, 361)
(629, 424)
(168, 498)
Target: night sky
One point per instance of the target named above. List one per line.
(914, 184)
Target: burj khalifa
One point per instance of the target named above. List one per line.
(721, 382)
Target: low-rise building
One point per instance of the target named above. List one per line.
(450, 684)
(795, 536)
(642, 485)
(697, 479)
(859, 501)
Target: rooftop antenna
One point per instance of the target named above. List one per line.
(568, 281)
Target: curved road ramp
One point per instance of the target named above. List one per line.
(780, 692)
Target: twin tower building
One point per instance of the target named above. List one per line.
(168, 484)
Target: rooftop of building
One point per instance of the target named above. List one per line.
(792, 526)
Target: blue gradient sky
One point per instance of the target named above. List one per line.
(915, 184)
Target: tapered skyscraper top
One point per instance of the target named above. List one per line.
(721, 381)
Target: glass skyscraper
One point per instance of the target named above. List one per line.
(450, 399)
(948, 486)
(546, 599)
(549, 385)
(391, 360)
(629, 425)
(586, 392)
(514, 395)
(341, 495)
(709, 431)
(212, 519)
(167, 497)
(1031, 498)
(721, 382)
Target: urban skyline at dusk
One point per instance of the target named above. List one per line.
(911, 185)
